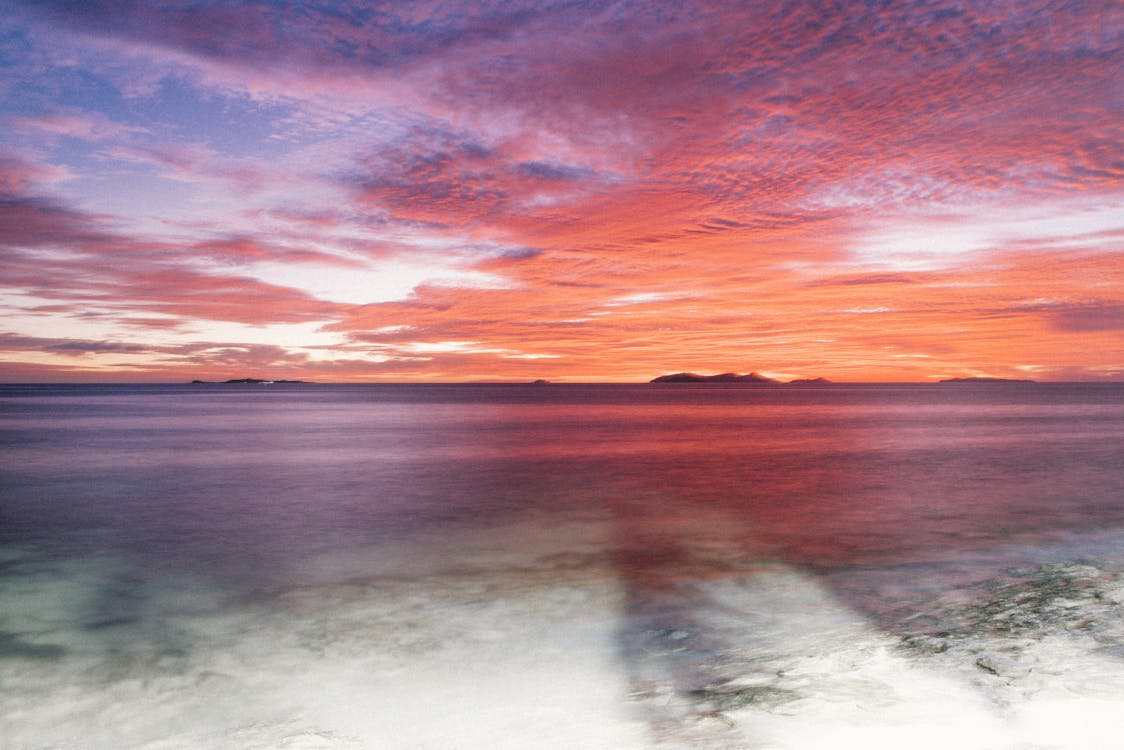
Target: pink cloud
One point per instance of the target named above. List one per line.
(193, 163)
(713, 165)
(18, 177)
(88, 126)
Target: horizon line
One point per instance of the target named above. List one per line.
(740, 384)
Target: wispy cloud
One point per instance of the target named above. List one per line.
(606, 189)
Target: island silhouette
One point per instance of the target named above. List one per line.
(733, 377)
(987, 380)
(250, 381)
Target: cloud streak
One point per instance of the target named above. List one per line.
(583, 190)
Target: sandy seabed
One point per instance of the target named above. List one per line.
(500, 647)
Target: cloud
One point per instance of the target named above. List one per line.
(661, 181)
(55, 253)
(73, 347)
(1086, 316)
(244, 249)
(446, 177)
(32, 221)
(194, 163)
(18, 177)
(868, 279)
(87, 126)
(546, 171)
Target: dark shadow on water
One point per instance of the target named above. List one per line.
(966, 551)
(681, 670)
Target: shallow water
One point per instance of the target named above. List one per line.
(561, 566)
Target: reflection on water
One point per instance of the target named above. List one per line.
(740, 555)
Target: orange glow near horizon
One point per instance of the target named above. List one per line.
(608, 194)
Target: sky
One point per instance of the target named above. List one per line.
(568, 190)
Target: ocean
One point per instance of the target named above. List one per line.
(313, 567)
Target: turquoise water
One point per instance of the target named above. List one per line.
(342, 566)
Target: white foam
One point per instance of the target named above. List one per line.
(516, 642)
(486, 656)
(852, 685)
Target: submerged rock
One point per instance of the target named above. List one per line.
(1025, 603)
(730, 697)
(1013, 630)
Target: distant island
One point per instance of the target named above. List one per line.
(732, 377)
(726, 377)
(252, 381)
(986, 380)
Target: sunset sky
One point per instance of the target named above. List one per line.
(577, 191)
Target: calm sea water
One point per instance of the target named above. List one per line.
(350, 566)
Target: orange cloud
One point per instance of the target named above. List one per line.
(610, 192)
